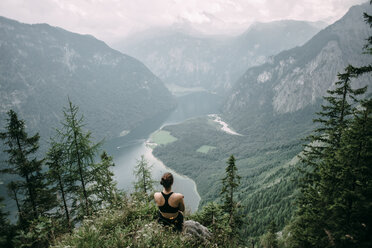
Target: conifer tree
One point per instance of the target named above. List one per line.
(332, 207)
(59, 177)
(351, 215)
(142, 172)
(13, 192)
(320, 185)
(80, 151)
(213, 217)
(103, 186)
(270, 239)
(230, 184)
(6, 229)
(36, 199)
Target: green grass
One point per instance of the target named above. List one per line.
(162, 137)
(205, 149)
(131, 224)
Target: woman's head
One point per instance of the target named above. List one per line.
(167, 180)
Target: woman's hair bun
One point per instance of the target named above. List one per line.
(167, 180)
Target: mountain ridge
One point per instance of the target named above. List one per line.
(295, 78)
(212, 62)
(41, 66)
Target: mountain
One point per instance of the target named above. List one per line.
(271, 107)
(188, 59)
(42, 66)
(298, 78)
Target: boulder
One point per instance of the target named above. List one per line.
(197, 230)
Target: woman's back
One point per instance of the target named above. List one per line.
(175, 203)
(170, 204)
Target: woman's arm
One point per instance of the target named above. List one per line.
(181, 204)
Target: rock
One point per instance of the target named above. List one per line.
(196, 229)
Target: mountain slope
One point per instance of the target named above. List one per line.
(41, 66)
(272, 105)
(190, 60)
(299, 77)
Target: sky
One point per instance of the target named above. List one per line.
(113, 20)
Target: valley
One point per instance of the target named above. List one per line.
(188, 102)
(141, 140)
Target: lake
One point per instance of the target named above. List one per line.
(127, 149)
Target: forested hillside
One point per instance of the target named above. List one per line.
(41, 66)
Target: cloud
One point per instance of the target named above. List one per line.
(111, 20)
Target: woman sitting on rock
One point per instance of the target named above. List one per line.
(171, 205)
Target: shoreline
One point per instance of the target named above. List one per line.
(149, 151)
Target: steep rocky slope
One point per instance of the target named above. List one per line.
(298, 78)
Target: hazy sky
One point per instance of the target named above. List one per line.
(110, 20)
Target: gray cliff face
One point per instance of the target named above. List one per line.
(298, 78)
(41, 66)
(212, 62)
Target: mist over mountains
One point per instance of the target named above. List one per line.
(189, 59)
(41, 66)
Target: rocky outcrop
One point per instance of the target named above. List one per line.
(195, 229)
(298, 78)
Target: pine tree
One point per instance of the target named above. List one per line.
(59, 178)
(36, 199)
(270, 239)
(333, 208)
(13, 192)
(320, 186)
(230, 184)
(351, 213)
(6, 229)
(213, 217)
(80, 156)
(142, 172)
(103, 186)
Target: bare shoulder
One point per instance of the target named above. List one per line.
(179, 195)
(157, 195)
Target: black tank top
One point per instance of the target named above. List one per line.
(166, 208)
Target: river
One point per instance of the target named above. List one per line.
(127, 149)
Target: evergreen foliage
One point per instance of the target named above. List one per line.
(59, 181)
(6, 229)
(30, 191)
(104, 187)
(334, 208)
(230, 184)
(270, 239)
(52, 200)
(80, 152)
(214, 218)
(142, 172)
